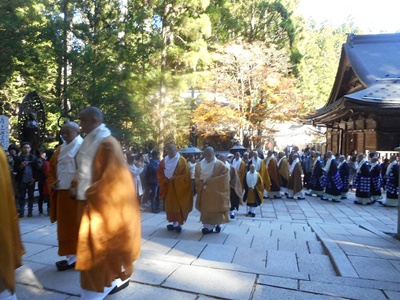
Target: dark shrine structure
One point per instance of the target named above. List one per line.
(32, 121)
(363, 109)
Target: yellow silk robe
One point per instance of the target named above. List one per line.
(110, 232)
(213, 197)
(254, 197)
(284, 171)
(265, 176)
(176, 192)
(242, 173)
(11, 249)
(274, 173)
(64, 210)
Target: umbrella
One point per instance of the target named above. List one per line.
(190, 150)
(238, 148)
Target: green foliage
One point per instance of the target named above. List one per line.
(134, 60)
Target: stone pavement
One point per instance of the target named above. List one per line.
(306, 249)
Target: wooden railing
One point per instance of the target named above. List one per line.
(382, 154)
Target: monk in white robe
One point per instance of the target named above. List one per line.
(65, 210)
(213, 191)
(110, 232)
(254, 189)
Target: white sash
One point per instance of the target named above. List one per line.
(236, 163)
(85, 158)
(170, 165)
(293, 165)
(66, 167)
(251, 179)
(206, 169)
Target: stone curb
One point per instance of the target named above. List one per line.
(340, 262)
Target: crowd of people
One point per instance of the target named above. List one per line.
(95, 191)
(332, 176)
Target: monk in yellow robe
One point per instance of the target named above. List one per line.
(262, 170)
(175, 188)
(11, 248)
(64, 210)
(110, 232)
(253, 190)
(283, 167)
(213, 191)
(272, 166)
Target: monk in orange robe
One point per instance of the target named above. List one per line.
(11, 248)
(110, 232)
(65, 210)
(175, 188)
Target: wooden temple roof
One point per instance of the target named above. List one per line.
(367, 81)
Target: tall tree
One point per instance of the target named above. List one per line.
(257, 84)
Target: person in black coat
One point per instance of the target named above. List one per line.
(25, 167)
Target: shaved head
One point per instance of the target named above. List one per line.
(208, 154)
(90, 118)
(69, 131)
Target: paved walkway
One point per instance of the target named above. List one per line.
(307, 249)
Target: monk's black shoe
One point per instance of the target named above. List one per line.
(343, 198)
(170, 227)
(232, 216)
(336, 201)
(178, 229)
(358, 203)
(206, 231)
(324, 199)
(63, 265)
(217, 229)
(287, 197)
(301, 198)
(277, 197)
(116, 289)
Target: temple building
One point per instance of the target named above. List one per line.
(363, 109)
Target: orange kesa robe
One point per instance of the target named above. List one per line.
(64, 210)
(213, 197)
(176, 192)
(11, 249)
(110, 232)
